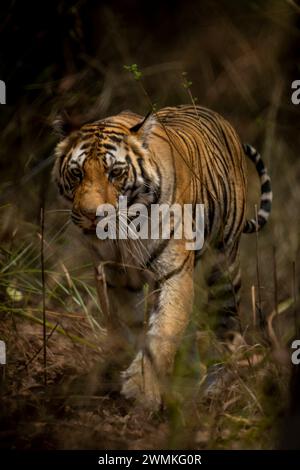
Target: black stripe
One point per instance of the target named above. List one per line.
(115, 138)
(109, 146)
(233, 212)
(158, 187)
(159, 249)
(260, 167)
(85, 146)
(129, 161)
(237, 286)
(261, 221)
(144, 175)
(175, 271)
(266, 205)
(266, 187)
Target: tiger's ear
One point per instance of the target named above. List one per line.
(142, 130)
(63, 125)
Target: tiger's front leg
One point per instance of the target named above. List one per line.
(143, 380)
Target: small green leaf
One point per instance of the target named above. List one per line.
(14, 294)
(134, 70)
(284, 305)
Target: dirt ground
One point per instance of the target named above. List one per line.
(70, 411)
(81, 409)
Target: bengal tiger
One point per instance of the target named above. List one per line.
(186, 155)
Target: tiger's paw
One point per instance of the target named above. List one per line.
(140, 383)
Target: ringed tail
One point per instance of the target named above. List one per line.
(266, 192)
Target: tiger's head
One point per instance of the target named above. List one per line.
(103, 160)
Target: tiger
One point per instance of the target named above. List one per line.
(183, 154)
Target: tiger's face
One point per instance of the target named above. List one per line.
(100, 162)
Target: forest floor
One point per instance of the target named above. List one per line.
(69, 412)
(76, 409)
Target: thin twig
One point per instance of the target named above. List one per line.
(74, 338)
(294, 296)
(275, 285)
(145, 328)
(253, 299)
(41, 348)
(275, 280)
(43, 297)
(261, 320)
(103, 295)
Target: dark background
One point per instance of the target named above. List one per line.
(70, 55)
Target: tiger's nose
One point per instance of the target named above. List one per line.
(92, 215)
(89, 213)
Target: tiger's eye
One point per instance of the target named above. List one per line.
(76, 172)
(115, 172)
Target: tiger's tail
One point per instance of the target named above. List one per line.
(266, 192)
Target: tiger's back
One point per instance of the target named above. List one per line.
(210, 152)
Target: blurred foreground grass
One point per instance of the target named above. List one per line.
(244, 415)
